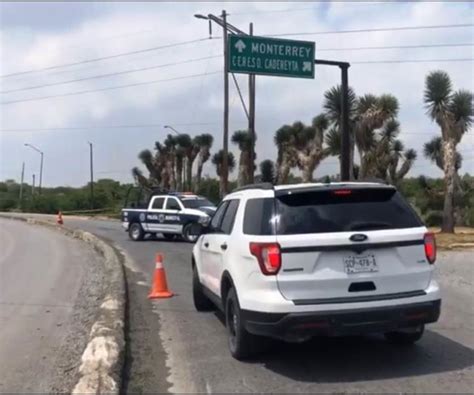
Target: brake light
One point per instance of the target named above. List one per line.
(342, 192)
(430, 247)
(268, 257)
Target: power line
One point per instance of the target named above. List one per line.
(413, 61)
(109, 74)
(396, 47)
(94, 127)
(108, 88)
(106, 57)
(381, 29)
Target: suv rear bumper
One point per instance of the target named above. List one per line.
(340, 322)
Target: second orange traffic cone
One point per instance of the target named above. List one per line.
(159, 287)
(59, 220)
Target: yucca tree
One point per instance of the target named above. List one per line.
(218, 159)
(286, 159)
(243, 140)
(161, 158)
(184, 159)
(170, 160)
(204, 142)
(453, 112)
(333, 108)
(308, 144)
(433, 150)
(152, 166)
(140, 179)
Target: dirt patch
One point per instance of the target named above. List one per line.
(461, 240)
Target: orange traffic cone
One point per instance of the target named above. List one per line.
(59, 220)
(159, 288)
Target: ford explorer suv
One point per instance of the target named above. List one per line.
(170, 214)
(296, 261)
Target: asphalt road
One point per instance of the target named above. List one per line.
(45, 309)
(174, 348)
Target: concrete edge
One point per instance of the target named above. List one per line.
(102, 361)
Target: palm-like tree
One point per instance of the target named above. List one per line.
(243, 140)
(453, 112)
(333, 107)
(218, 159)
(284, 140)
(204, 143)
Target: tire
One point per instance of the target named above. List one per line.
(201, 301)
(242, 344)
(135, 232)
(186, 236)
(169, 236)
(405, 337)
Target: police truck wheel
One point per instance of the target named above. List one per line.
(187, 236)
(201, 301)
(136, 232)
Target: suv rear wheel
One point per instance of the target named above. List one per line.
(405, 336)
(242, 344)
(136, 232)
(201, 301)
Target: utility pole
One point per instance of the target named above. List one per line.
(21, 184)
(41, 164)
(92, 173)
(252, 119)
(33, 187)
(225, 145)
(345, 130)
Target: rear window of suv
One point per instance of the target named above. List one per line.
(329, 211)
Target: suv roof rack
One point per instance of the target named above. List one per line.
(262, 185)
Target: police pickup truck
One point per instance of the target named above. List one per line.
(170, 214)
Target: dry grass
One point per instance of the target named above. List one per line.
(462, 239)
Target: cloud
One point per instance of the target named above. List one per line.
(96, 30)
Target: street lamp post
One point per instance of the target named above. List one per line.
(172, 128)
(41, 164)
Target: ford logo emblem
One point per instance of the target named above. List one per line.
(358, 237)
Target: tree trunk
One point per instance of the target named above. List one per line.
(242, 170)
(171, 174)
(189, 174)
(200, 165)
(179, 174)
(351, 155)
(284, 171)
(449, 158)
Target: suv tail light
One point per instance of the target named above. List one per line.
(430, 247)
(268, 257)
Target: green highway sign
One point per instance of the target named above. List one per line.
(271, 56)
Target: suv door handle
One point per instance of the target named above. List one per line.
(206, 244)
(224, 246)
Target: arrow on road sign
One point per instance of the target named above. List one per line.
(306, 66)
(240, 46)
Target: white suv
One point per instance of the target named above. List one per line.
(295, 261)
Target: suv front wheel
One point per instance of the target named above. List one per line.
(242, 344)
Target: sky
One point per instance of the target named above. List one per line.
(186, 90)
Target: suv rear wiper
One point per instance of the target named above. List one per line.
(370, 225)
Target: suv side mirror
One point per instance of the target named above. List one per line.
(198, 229)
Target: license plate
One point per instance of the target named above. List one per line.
(360, 264)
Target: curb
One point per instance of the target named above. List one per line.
(102, 361)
